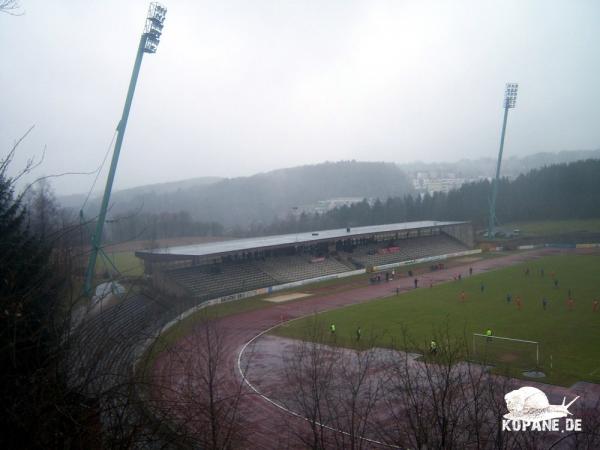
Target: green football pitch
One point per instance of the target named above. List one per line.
(569, 339)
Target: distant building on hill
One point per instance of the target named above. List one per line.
(438, 181)
(323, 206)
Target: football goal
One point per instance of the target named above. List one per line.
(495, 350)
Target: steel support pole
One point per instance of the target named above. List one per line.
(492, 218)
(97, 237)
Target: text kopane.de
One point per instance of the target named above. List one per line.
(544, 425)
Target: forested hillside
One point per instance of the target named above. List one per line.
(261, 198)
(564, 191)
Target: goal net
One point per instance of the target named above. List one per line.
(497, 350)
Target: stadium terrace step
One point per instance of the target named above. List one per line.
(205, 282)
(287, 269)
(405, 250)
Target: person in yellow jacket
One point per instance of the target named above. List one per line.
(433, 347)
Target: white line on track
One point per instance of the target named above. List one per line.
(283, 408)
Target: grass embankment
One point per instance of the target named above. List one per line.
(555, 227)
(125, 262)
(571, 337)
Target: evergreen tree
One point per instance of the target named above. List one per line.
(28, 337)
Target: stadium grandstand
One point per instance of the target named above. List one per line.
(245, 267)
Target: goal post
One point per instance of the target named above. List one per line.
(504, 350)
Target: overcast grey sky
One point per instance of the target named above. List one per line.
(239, 87)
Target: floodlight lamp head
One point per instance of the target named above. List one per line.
(510, 95)
(154, 26)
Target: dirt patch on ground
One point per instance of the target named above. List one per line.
(287, 297)
(507, 357)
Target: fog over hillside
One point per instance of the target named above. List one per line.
(512, 165)
(261, 198)
(76, 200)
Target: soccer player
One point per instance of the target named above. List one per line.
(416, 283)
(433, 347)
(508, 298)
(332, 328)
(518, 303)
(570, 304)
(358, 334)
(556, 283)
(488, 333)
(482, 287)
(544, 303)
(462, 296)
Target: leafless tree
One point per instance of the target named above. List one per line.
(310, 377)
(42, 209)
(589, 436)
(443, 401)
(356, 395)
(201, 403)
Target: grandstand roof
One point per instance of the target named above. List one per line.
(283, 240)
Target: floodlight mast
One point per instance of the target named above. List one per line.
(510, 100)
(148, 44)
